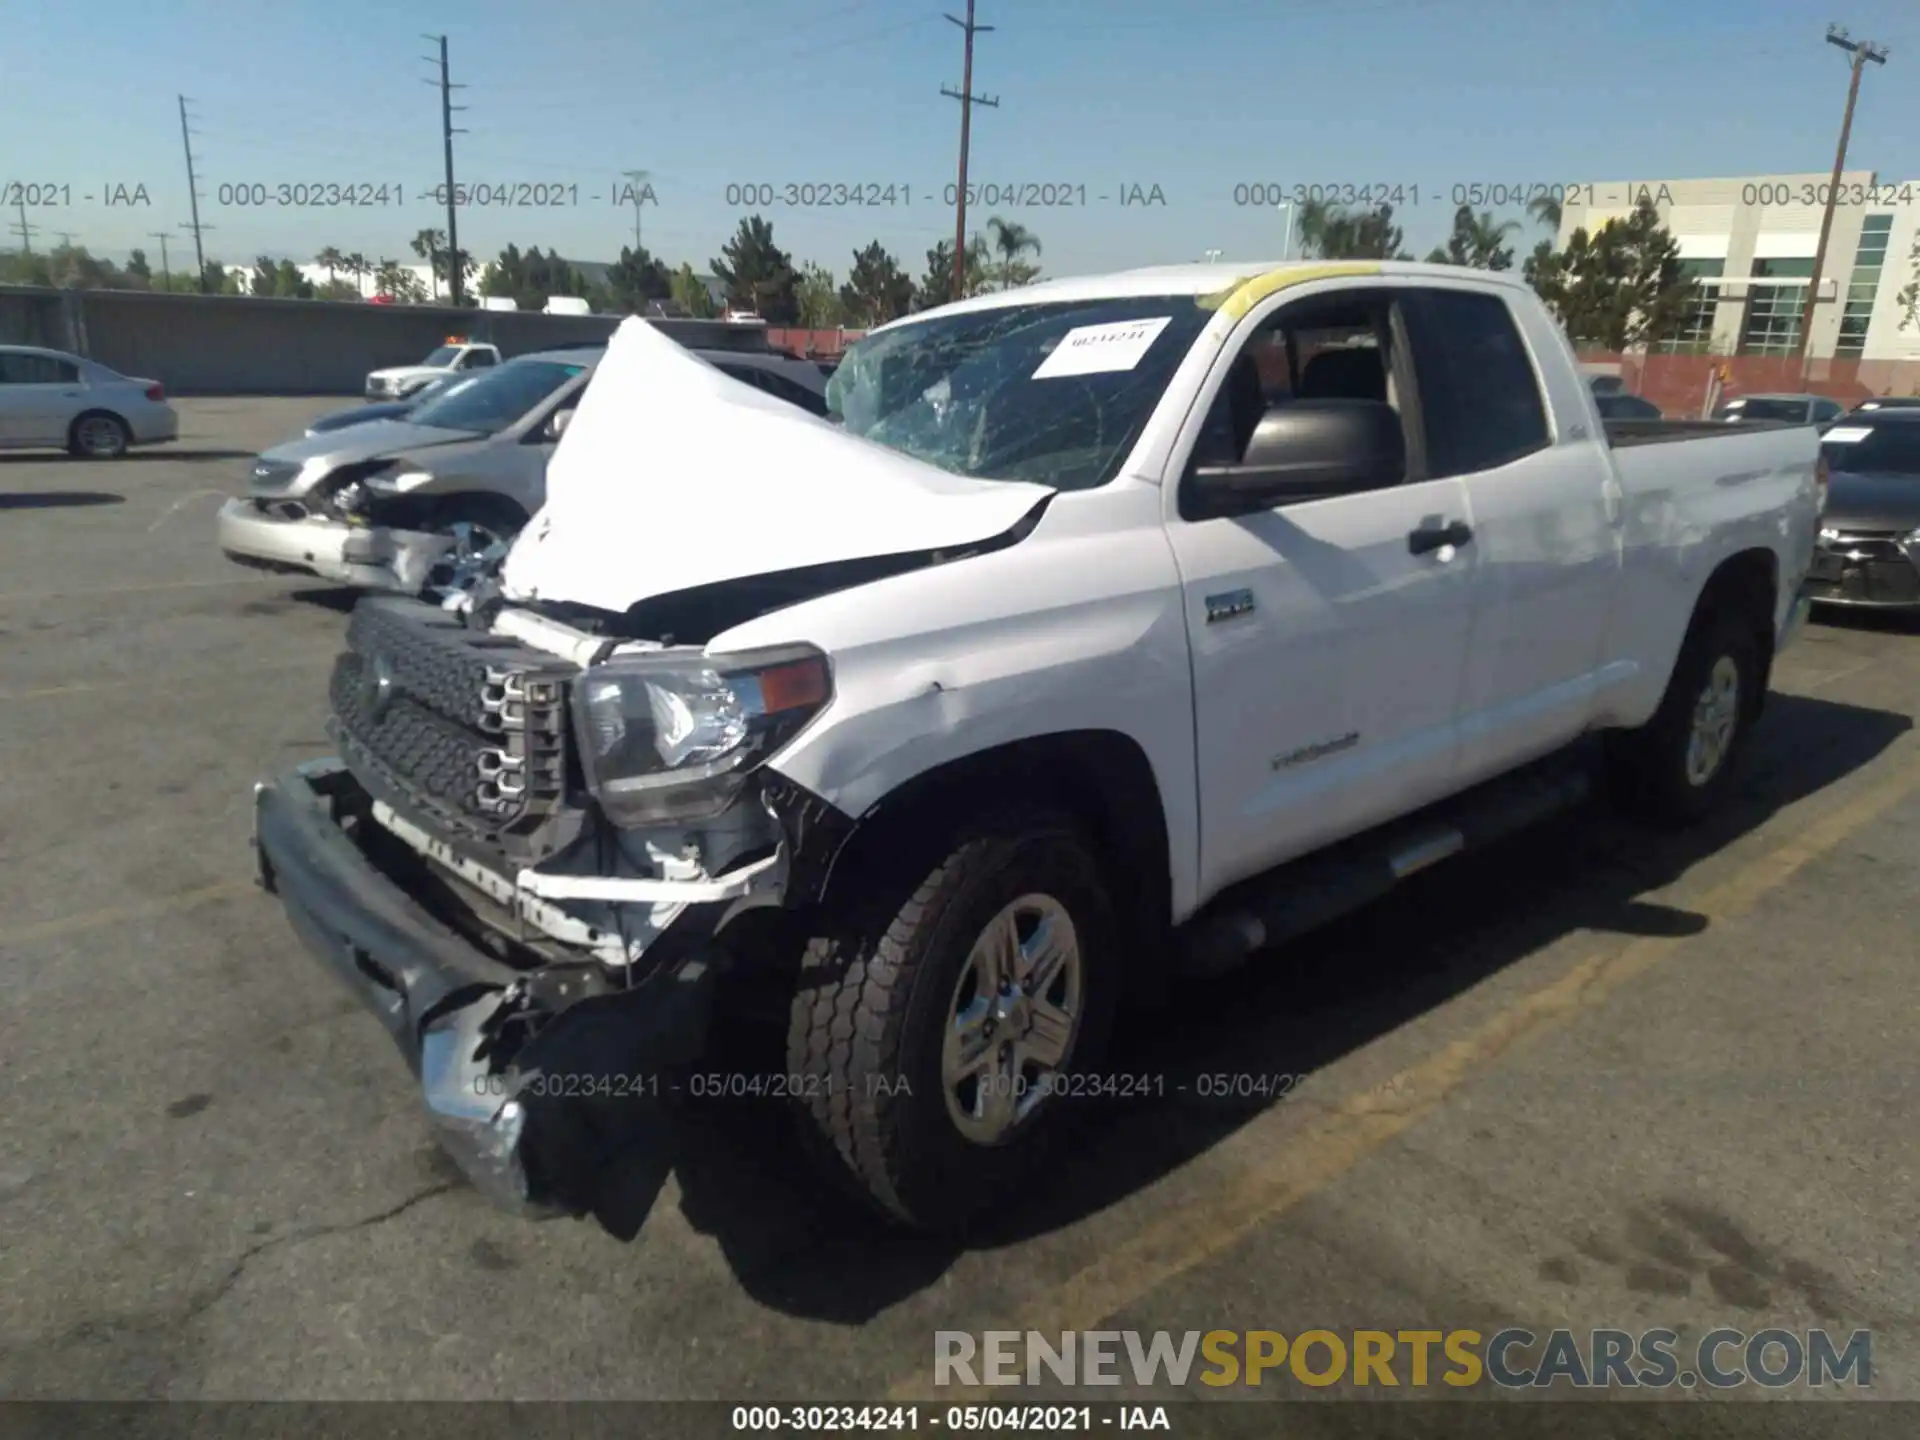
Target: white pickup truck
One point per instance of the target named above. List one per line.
(456, 357)
(1108, 631)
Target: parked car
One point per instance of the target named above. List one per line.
(1868, 552)
(1782, 409)
(384, 410)
(429, 499)
(1618, 405)
(456, 357)
(1887, 402)
(51, 399)
(1050, 677)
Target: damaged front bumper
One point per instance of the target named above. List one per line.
(547, 1086)
(369, 557)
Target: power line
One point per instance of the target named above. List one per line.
(967, 100)
(1861, 52)
(193, 197)
(166, 270)
(639, 179)
(447, 132)
(20, 226)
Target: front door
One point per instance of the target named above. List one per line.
(1328, 645)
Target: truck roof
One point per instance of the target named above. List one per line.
(1211, 279)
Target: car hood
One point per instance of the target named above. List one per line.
(365, 442)
(404, 372)
(357, 415)
(1863, 500)
(672, 476)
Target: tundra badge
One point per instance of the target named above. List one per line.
(1229, 604)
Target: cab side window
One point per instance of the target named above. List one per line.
(477, 360)
(1479, 396)
(1331, 347)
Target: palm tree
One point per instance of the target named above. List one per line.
(1545, 210)
(332, 259)
(430, 245)
(356, 265)
(1315, 220)
(1013, 242)
(1486, 241)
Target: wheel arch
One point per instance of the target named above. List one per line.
(97, 412)
(1101, 778)
(1747, 583)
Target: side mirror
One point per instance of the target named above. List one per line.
(1303, 450)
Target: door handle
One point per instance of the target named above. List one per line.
(1429, 538)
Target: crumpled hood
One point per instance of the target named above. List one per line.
(672, 475)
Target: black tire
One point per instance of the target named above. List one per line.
(1651, 769)
(873, 1004)
(98, 435)
(470, 519)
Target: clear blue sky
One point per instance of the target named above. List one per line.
(1194, 96)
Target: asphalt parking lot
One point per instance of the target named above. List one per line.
(1593, 1079)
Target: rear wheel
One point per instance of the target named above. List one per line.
(97, 435)
(481, 528)
(1678, 767)
(935, 1035)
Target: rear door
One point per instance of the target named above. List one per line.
(39, 396)
(1328, 643)
(1545, 510)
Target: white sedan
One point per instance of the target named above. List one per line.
(51, 398)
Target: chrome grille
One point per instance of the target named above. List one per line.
(463, 728)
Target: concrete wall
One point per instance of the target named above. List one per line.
(232, 345)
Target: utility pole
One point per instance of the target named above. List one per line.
(166, 270)
(21, 227)
(447, 132)
(193, 198)
(1862, 51)
(638, 180)
(967, 100)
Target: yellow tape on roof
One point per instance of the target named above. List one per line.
(1237, 300)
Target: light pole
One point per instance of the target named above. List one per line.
(1212, 255)
(1286, 245)
(638, 178)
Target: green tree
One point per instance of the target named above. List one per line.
(636, 278)
(1011, 243)
(1545, 210)
(330, 260)
(336, 290)
(877, 289)
(357, 266)
(817, 299)
(532, 278)
(1909, 297)
(1619, 288)
(1330, 232)
(691, 295)
(431, 246)
(138, 271)
(758, 274)
(1477, 240)
(936, 286)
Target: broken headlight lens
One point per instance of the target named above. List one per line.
(670, 738)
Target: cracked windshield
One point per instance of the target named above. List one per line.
(799, 716)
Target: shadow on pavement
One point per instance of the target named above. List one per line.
(57, 499)
(802, 1249)
(340, 600)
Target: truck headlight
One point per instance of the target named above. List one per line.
(670, 738)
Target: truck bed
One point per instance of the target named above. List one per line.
(1624, 433)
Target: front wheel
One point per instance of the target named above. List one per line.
(481, 529)
(935, 1037)
(1678, 767)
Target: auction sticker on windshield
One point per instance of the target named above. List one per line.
(1847, 434)
(1101, 349)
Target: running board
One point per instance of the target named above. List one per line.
(1301, 896)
